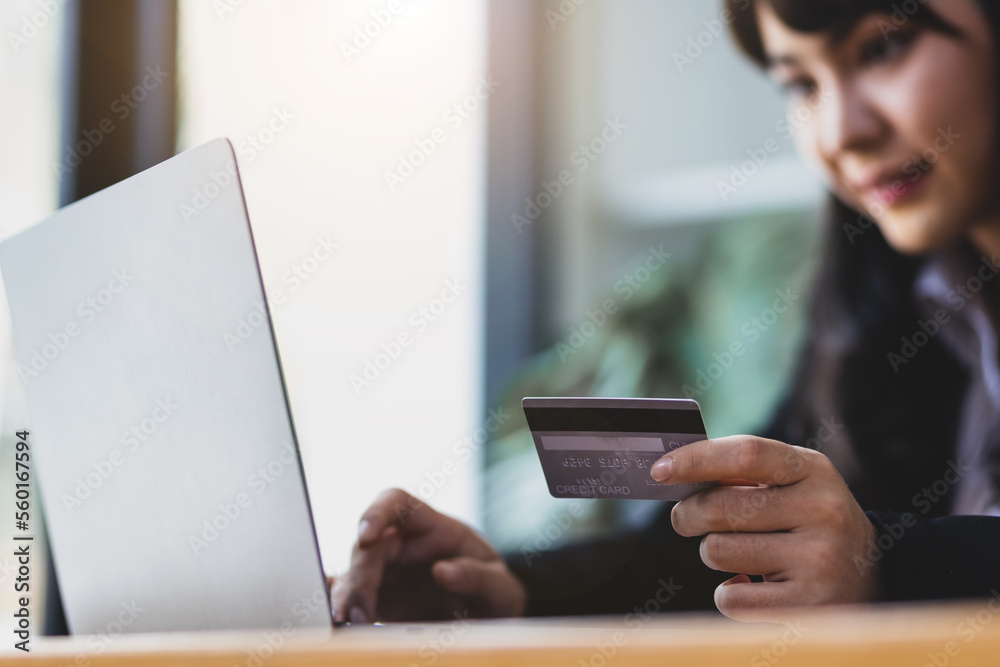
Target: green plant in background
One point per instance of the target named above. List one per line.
(722, 326)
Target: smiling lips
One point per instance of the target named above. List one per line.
(889, 189)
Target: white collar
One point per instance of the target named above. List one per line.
(948, 281)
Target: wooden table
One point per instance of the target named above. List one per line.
(937, 635)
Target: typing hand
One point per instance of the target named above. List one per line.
(412, 563)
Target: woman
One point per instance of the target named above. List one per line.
(902, 352)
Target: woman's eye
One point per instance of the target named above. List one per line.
(885, 49)
(800, 87)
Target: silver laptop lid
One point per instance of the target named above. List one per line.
(163, 443)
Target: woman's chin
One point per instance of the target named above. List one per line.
(916, 234)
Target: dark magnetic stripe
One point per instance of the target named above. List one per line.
(624, 420)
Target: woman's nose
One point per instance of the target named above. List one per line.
(848, 122)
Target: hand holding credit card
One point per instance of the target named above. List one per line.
(605, 447)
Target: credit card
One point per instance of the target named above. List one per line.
(605, 447)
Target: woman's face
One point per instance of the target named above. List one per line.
(902, 118)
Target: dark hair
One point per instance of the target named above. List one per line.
(899, 428)
(835, 17)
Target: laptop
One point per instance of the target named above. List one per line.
(162, 446)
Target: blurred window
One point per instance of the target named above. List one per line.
(653, 137)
